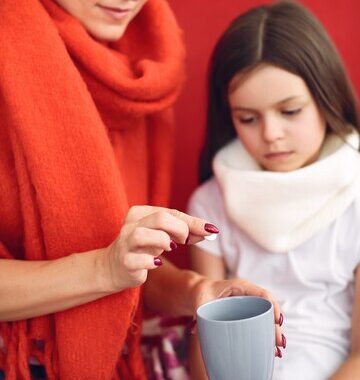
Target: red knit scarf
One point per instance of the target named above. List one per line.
(90, 131)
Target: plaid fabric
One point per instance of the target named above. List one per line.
(164, 347)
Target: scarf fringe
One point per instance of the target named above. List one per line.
(16, 356)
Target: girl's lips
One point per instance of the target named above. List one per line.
(278, 155)
(115, 13)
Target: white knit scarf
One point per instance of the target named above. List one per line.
(281, 210)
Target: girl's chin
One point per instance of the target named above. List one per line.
(281, 168)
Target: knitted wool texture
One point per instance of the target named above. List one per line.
(86, 132)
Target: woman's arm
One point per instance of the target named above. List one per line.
(34, 288)
(351, 367)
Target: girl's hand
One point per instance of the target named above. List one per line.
(146, 233)
(207, 290)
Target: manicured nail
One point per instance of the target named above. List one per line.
(283, 340)
(157, 261)
(281, 319)
(211, 228)
(192, 326)
(278, 352)
(173, 245)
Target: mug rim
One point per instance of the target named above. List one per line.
(199, 314)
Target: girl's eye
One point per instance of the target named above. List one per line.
(291, 112)
(247, 120)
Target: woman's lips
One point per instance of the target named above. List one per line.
(115, 13)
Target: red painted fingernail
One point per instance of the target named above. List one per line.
(173, 245)
(157, 261)
(281, 319)
(192, 325)
(283, 340)
(211, 228)
(278, 352)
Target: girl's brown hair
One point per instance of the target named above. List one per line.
(286, 35)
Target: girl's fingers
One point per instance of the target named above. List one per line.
(153, 241)
(254, 290)
(245, 288)
(278, 352)
(279, 336)
(140, 261)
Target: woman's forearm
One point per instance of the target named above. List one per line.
(171, 290)
(33, 288)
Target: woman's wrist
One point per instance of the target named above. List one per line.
(92, 271)
(103, 273)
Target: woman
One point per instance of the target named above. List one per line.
(86, 135)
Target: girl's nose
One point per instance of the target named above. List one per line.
(272, 130)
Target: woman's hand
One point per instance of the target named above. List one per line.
(206, 290)
(146, 233)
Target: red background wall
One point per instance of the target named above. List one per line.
(202, 22)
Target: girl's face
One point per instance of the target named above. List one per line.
(276, 118)
(105, 20)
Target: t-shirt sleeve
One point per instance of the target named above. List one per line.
(206, 203)
(354, 224)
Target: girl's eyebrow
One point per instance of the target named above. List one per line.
(288, 99)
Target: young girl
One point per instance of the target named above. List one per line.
(281, 173)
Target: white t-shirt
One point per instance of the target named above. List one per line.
(314, 283)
